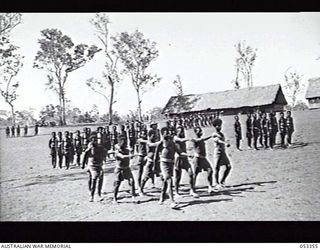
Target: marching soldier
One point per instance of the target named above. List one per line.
(289, 127)
(255, 130)
(13, 131)
(60, 149)
(142, 153)
(264, 130)
(53, 149)
(7, 132)
(26, 130)
(249, 129)
(78, 147)
(282, 128)
(237, 130)
(18, 130)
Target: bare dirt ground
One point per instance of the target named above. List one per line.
(264, 185)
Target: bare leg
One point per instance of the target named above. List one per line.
(226, 173)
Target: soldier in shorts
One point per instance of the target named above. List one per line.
(132, 137)
(93, 157)
(167, 149)
(122, 170)
(78, 147)
(200, 161)
(67, 149)
(60, 149)
(142, 153)
(182, 162)
(53, 149)
(219, 154)
(237, 130)
(249, 130)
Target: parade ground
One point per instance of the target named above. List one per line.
(280, 184)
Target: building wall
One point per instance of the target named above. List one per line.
(314, 103)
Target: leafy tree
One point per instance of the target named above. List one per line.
(156, 113)
(10, 65)
(110, 76)
(246, 57)
(59, 56)
(8, 21)
(25, 116)
(293, 84)
(136, 53)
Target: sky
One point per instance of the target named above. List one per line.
(197, 46)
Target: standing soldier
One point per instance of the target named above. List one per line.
(255, 130)
(123, 133)
(72, 150)
(84, 142)
(270, 130)
(36, 129)
(78, 147)
(114, 137)
(26, 130)
(249, 129)
(67, 149)
(53, 149)
(60, 149)
(107, 136)
(132, 137)
(282, 128)
(142, 153)
(13, 131)
(7, 132)
(274, 128)
(289, 127)
(259, 118)
(264, 130)
(18, 130)
(237, 130)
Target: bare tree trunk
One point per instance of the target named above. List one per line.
(139, 105)
(60, 111)
(111, 104)
(64, 110)
(13, 115)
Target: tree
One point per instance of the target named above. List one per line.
(8, 21)
(59, 56)
(136, 53)
(10, 65)
(178, 85)
(293, 84)
(156, 113)
(246, 57)
(110, 74)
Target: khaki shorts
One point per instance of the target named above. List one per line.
(166, 169)
(200, 164)
(122, 174)
(220, 159)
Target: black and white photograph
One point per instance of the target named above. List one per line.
(123, 116)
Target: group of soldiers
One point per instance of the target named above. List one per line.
(263, 128)
(160, 153)
(16, 130)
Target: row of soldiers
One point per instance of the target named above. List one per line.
(263, 128)
(16, 130)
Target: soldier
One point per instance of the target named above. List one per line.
(200, 161)
(259, 118)
(182, 162)
(53, 149)
(282, 128)
(249, 130)
(26, 130)
(132, 137)
(114, 137)
(237, 130)
(122, 170)
(67, 149)
(7, 132)
(219, 155)
(18, 130)
(78, 147)
(60, 149)
(142, 153)
(270, 130)
(264, 130)
(93, 157)
(72, 150)
(36, 129)
(13, 131)
(123, 133)
(274, 128)
(107, 140)
(289, 128)
(255, 130)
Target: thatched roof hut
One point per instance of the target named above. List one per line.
(313, 93)
(264, 98)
